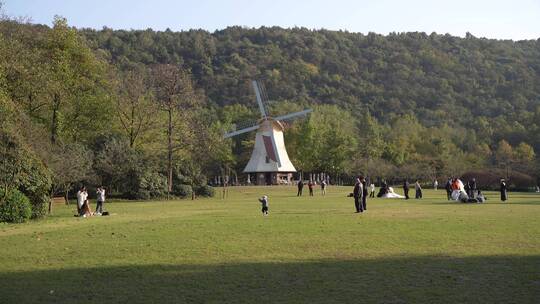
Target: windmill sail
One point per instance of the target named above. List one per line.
(258, 94)
(237, 132)
(293, 115)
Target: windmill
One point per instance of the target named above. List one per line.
(269, 160)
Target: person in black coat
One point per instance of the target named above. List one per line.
(383, 189)
(504, 189)
(448, 188)
(406, 189)
(418, 189)
(364, 193)
(357, 193)
(472, 188)
(300, 187)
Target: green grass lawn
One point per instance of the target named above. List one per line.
(308, 250)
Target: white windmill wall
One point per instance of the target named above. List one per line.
(259, 162)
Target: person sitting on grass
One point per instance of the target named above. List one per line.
(264, 203)
(480, 197)
(86, 212)
(82, 197)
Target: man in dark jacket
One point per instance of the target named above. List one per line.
(300, 187)
(310, 187)
(364, 193)
(448, 188)
(418, 189)
(472, 188)
(357, 193)
(406, 189)
(504, 189)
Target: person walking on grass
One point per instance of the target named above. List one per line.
(357, 193)
(435, 185)
(300, 187)
(264, 205)
(406, 189)
(418, 190)
(372, 190)
(504, 190)
(100, 192)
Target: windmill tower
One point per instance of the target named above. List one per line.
(269, 160)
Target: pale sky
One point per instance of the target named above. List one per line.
(501, 19)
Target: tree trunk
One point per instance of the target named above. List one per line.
(51, 201)
(132, 127)
(170, 151)
(54, 121)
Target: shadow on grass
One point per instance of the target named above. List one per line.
(490, 202)
(504, 279)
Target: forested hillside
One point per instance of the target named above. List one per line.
(471, 92)
(143, 112)
(438, 78)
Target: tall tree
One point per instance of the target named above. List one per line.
(370, 141)
(134, 105)
(524, 158)
(504, 155)
(176, 97)
(74, 77)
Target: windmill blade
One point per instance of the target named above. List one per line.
(271, 148)
(293, 115)
(259, 98)
(264, 95)
(245, 130)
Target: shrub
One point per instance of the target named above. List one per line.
(36, 185)
(151, 185)
(182, 190)
(22, 169)
(14, 207)
(205, 191)
(490, 179)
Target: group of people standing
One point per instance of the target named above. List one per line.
(83, 205)
(417, 188)
(361, 190)
(360, 193)
(311, 185)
